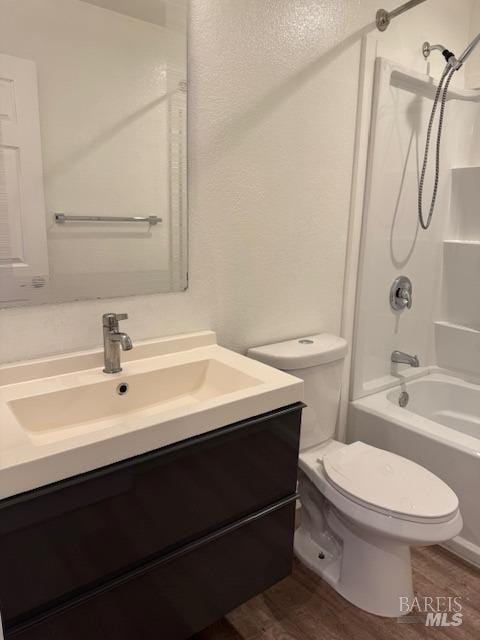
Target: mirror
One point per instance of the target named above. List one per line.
(93, 149)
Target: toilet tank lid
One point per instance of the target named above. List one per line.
(301, 353)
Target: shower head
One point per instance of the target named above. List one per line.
(450, 58)
(452, 61)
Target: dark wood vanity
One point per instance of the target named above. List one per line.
(156, 546)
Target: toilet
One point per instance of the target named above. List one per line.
(362, 507)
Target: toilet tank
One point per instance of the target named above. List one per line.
(318, 361)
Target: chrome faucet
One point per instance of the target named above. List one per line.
(404, 358)
(113, 339)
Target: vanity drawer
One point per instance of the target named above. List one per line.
(64, 539)
(178, 596)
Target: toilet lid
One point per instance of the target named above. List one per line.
(388, 482)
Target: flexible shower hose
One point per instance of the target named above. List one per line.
(442, 90)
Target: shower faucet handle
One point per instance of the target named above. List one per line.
(401, 294)
(406, 296)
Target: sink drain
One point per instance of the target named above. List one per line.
(122, 388)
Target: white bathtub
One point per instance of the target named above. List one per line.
(440, 429)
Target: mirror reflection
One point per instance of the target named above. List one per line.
(93, 101)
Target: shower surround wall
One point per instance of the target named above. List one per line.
(438, 426)
(273, 92)
(457, 335)
(457, 329)
(443, 262)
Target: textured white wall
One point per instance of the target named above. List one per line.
(273, 91)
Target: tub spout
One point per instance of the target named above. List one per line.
(400, 357)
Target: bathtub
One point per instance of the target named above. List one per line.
(439, 428)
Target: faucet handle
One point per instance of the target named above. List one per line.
(406, 295)
(111, 320)
(401, 294)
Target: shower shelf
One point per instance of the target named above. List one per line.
(458, 327)
(461, 265)
(463, 203)
(462, 242)
(457, 347)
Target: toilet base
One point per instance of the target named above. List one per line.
(371, 574)
(369, 570)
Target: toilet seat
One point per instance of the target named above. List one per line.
(390, 484)
(353, 478)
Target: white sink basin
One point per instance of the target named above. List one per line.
(62, 416)
(160, 389)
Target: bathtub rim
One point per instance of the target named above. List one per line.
(378, 404)
(409, 374)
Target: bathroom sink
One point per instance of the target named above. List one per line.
(63, 415)
(172, 386)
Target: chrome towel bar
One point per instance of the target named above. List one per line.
(61, 218)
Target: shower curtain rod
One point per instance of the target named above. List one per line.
(383, 17)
